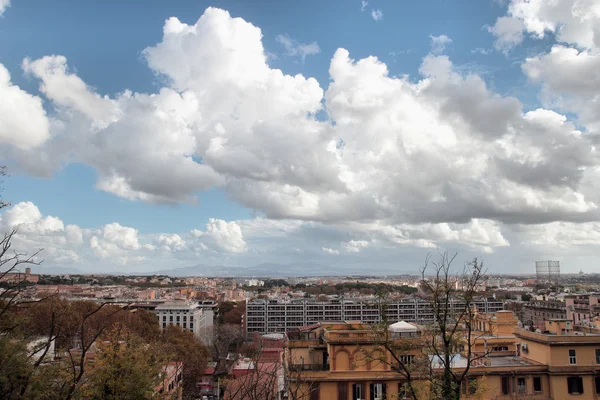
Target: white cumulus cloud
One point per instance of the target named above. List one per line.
(23, 121)
(223, 236)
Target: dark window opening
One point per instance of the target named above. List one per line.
(575, 385)
(537, 384)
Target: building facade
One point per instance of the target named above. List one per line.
(17, 277)
(582, 307)
(279, 316)
(189, 316)
(327, 361)
(536, 312)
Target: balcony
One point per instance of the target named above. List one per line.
(310, 343)
(352, 336)
(308, 367)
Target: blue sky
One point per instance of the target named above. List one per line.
(491, 53)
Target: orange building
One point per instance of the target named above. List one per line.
(17, 276)
(328, 360)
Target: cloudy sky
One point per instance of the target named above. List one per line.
(349, 133)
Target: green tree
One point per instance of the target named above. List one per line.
(124, 367)
(194, 355)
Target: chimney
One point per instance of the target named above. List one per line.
(27, 271)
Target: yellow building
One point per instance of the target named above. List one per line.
(340, 360)
(494, 334)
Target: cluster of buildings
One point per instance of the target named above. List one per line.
(133, 289)
(546, 348)
(580, 309)
(330, 360)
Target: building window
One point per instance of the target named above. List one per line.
(170, 318)
(572, 357)
(164, 317)
(184, 325)
(537, 384)
(597, 356)
(407, 359)
(469, 385)
(342, 391)
(184, 318)
(521, 385)
(378, 391)
(315, 391)
(178, 318)
(358, 391)
(506, 385)
(500, 348)
(575, 385)
(191, 326)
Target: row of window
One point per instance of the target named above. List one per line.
(164, 318)
(573, 356)
(510, 384)
(184, 325)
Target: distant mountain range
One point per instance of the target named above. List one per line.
(265, 269)
(260, 270)
(44, 270)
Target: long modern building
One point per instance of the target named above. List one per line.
(278, 316)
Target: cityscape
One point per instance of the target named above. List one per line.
(282, 200)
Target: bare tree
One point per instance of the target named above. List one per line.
(10, 275)
(257, 380)
(453, 327)
(297, 381)
(428, 361)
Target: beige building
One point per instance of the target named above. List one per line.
(17, 276)
(329, 360)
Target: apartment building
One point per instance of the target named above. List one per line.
(190, 316)
(582, 307)
(327, 360)
(536, 312)
(17, 276)
(279, 316)
(571, 359)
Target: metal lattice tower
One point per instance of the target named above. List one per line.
(547, 271)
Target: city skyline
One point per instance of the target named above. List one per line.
(356, 136)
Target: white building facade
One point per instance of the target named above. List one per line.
(189, 316)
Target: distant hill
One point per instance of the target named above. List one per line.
(43, 270)
(265, 269)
